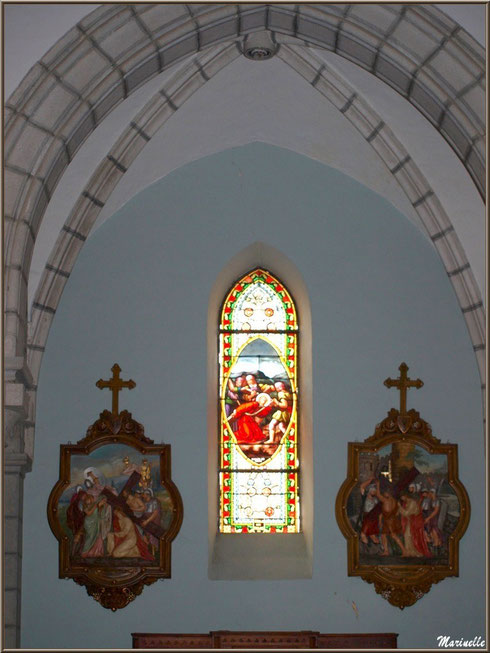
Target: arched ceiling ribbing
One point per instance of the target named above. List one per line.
(168, 100)
(415, 49)
(31, 31)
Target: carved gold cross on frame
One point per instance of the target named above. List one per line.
(115, 385)
(403, 383)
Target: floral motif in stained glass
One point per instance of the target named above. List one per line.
(258, 350)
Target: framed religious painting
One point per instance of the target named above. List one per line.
(402, 507)
(115, 509)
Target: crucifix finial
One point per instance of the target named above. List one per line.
(115, 385)
(403, 383)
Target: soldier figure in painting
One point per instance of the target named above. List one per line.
(145, 471)
(370, 513)
(410, 516)
(431, 521)
(129, 467)
(402, 485)
(96, 532)
(111, 533)
(152, 514)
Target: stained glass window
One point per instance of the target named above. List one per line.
(258, 396)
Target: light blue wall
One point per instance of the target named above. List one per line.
(138, 296)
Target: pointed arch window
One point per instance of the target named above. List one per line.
(258, 397)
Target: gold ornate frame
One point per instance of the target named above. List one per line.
(113, 587)
(401, 584)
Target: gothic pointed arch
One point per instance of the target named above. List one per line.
(418, 51)
(259, 465)
(335, 89)
(47, 142)
(259, 481)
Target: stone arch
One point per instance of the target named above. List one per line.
(160, 107)
(116, 49)
(416, 50)
(410, 179)
(103, 181)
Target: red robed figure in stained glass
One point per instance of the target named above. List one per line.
(258, 340)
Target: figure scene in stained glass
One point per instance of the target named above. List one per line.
(258, 400)
(115, 510)
(403, 507)
(258, 407)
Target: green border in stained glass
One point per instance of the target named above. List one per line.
(240, 286)
(289, 524)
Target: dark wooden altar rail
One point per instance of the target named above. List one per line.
(229, 639)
